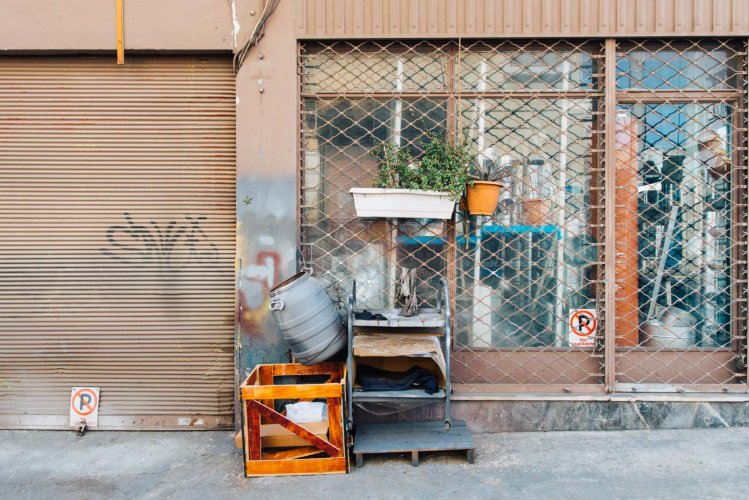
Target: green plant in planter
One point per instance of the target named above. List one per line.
(441, 167)
(396, 167)
(490, 171)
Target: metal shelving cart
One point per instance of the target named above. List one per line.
(404, 437)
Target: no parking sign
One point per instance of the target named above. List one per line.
(84, 405)
(582, 327)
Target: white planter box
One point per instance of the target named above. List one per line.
(402, 203)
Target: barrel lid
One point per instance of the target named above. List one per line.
(286, 284)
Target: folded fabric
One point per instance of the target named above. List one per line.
(374, 379)
(366, 315)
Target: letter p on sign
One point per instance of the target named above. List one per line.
(582, 327)
(84, 405)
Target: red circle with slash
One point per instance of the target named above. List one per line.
(90, 405)
(587, 327)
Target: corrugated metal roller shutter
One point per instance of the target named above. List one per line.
(117, 239)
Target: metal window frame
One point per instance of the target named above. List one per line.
(602, 162)
(639, 356)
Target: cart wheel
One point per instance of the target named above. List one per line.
(447, 425)
(471, 456)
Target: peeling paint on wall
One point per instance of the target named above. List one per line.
(267, 168)
(267, 249)
(234, 23)
(266, 269)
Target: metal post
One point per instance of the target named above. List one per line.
(562, 208)
(448, 330)
(393, 233)
(238, 345)
(350, 356)
(609, 214)
(481, 294)
(745, 142)
(120, 15)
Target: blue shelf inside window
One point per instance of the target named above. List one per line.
(472, 238)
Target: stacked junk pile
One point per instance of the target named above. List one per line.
(299, 418)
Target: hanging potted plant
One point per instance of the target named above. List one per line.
(483, 186)
(423, 187)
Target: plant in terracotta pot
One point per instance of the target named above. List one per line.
(426, 186)
(536, 201)
(483, 186)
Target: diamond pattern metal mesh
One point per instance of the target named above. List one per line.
(520, 276)
(372, 68)
(339, 136)
(522, 66)
(522, 271)
(681, 213)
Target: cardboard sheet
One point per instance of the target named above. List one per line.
(278, 436)
(400, 346)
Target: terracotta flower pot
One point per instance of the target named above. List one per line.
(482, 197)
(536, 212)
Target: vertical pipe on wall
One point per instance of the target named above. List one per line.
(120, 32)
(561, 209)
(452, 252)
(398, 115)
(397, 140)
(481, 293)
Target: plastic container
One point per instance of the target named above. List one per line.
(402, 203)
(537, 212)
(307, 318)
(675, 329)
(482, 197)
(307, 411)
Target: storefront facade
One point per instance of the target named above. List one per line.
(625, 123)
(520, 276)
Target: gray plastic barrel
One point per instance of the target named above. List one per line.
(307, 318)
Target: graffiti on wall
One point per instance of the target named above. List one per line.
(266, 241)
(256, 280)
(266, 270)
(169, 245)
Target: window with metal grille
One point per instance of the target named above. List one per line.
(355, 97)
(522, 272)
(520, 276)
(681, 212)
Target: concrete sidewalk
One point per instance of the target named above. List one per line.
(693, 463)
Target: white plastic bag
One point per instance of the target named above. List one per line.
(307, 411)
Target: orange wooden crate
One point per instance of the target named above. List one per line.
(258, 393)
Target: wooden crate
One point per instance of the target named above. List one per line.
(320, 456)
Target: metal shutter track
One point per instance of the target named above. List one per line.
(117, 239)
